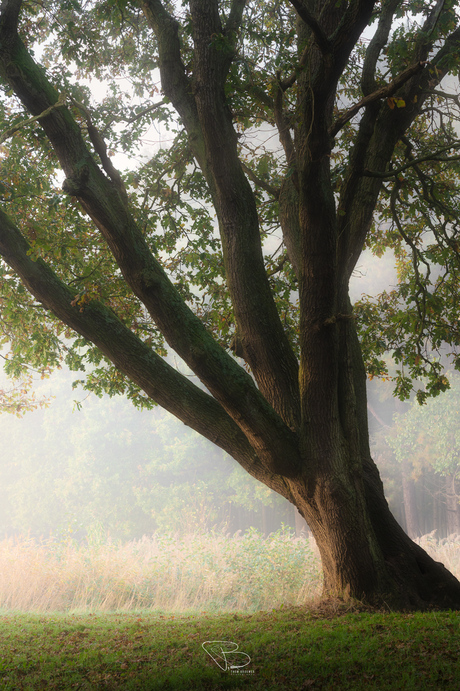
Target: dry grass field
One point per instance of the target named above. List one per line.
(212, 572)
(166, 572)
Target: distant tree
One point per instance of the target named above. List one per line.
(237, 252)
(429, 436)
(64, 472)
(185, 485)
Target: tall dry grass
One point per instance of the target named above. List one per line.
(197, 572)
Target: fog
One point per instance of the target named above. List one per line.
(84, 463)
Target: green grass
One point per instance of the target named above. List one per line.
(293, 648)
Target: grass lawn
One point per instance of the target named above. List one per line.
(324, 647)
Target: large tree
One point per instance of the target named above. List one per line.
(180, 251)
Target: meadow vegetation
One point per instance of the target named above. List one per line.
(210, 571)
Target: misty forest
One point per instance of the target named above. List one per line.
(229, 309)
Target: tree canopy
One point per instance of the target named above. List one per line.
(290, 136)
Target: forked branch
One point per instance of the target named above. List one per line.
(324, 44)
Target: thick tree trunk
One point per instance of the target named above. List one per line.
(418, 581)
(365, 553)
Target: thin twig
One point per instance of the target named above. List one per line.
(436, 157)
(15, 128)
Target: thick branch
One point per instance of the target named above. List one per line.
(349, 25)
(283, 126)
(425, 40)
(175, 83)
(441, 60)
(354, 20)
(267, 349)
(288, 197)
(433, 17)
(290, 222)
(100, 148)
(344, 26)
(161, 382)
(209, 125)
(235, 17)
(376, 45)
(9, 15)
(379, 94)
(184, 332)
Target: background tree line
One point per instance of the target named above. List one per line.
(108, 466)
